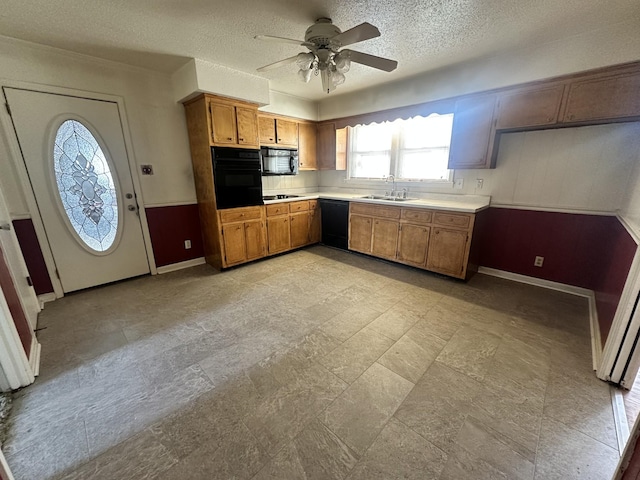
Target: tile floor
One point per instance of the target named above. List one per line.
(318, 364)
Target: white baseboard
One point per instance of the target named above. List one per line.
(619, 418)
(180, 265)
(34, 357)
(596, 342)
(45, 298)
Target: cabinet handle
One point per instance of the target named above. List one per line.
(241, 139)
(271, 139)
(279, 140)
(229, 138)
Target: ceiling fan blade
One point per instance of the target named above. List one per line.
(280, 63)
(359, 33)
(271, 38)
(372, 61)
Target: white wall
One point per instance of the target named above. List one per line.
(631, 204)
(582, 169)
(157, 123)
(290, 105)
(595, 48)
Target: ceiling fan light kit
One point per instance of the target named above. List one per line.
(324, 41)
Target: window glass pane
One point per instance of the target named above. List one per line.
(370, 165)
(85, 185)
(432, 131)
(421, 164)
(373, 137)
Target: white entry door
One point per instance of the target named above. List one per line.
(76, 158)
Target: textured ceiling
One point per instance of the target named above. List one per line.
(421, 35)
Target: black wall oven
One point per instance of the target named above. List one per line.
(237, 176)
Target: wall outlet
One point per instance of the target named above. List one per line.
(458, 183)
(146, 169)
(187, 244)
(538, 261)
(479, 183)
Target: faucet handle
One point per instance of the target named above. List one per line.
(405, 190)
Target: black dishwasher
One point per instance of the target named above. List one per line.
(335, 223)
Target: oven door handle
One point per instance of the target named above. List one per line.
(291, 164)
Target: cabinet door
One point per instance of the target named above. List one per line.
(315, 225)
(254, 238)
(360, 233)
(413, 243)
(234, 243)
(307, 146)
(278, 234)
(529, 107)
(472, 131)
(447, 251)
(341, 148)
(385, 238)
(287, 133)
(604, 98)
(299, 229)
(247, 119)
(223, 123)
(326, 146)
(267, 130)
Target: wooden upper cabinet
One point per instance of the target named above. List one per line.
(223, 123)
(247, 121)
(286, 133)
(604, 98)
(307, 144)
(233, 124)
(332, 147)
(267, 130)
(529, 107)
(473, 129)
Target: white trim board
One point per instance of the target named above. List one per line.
(619, 417)
(171, 204)
(46, 298)
(180, 265)
(596, 340)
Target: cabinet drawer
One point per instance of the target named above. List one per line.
(417, 216)
(452, 220)
(277, 209)
(240, 214)
(375, 210)
(299, 206)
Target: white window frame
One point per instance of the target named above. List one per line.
(394, 154)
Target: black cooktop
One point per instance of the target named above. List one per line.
(280, 196)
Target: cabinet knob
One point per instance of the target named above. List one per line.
(242, 214)
(229, 138)
(271, 139)
(292, 219)
(571, 117)
(239, 227)
(241, 139)
(279, 140)
(549, 119)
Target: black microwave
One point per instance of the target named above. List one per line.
(279, 161)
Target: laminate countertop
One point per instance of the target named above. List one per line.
(454, 203)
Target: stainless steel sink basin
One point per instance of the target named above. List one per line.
(387, 198)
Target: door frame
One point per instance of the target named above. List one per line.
(18, 161)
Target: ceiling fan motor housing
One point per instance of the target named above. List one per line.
(321, 32)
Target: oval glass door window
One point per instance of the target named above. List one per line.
(85, 185)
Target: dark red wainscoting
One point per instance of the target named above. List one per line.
(169, 228)
(33, 256)
(15, 307)
(588, 251)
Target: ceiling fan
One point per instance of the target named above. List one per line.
(324, 41)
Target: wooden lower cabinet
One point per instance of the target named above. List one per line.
(384, 242)
(279, 234)
(315, 222)
(434, 240)
(299, 229)
(254, 238)
(360, 229)
(413, 244)
(448, 250)
(243, 242)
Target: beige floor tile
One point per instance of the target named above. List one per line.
(470, 351)
(360, 413)
(395, 322)
(565, 453)
(344, 325)
(349, 360)
(410, 356)
(399, 452)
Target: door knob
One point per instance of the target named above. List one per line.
(129, 195)
(131, 208)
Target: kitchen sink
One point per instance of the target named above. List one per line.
(387, 198)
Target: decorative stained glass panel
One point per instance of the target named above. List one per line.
(85, 185)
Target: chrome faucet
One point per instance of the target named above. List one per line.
(393, 184)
